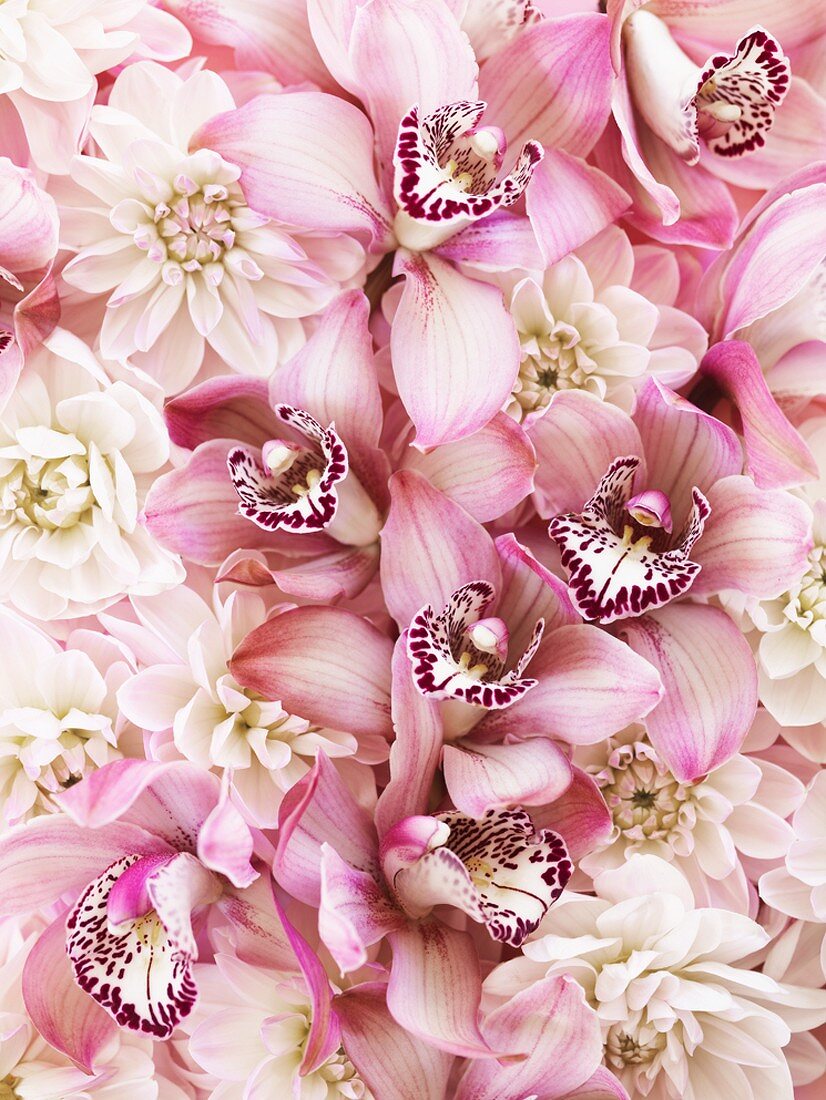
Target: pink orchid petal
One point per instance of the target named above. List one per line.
(64, 1015)
(435, 987)
(231, 406)
(569, 202)
(326, 183)
(717, 22)
(394, 1064)
(225, 843)
(684, 447)
(484, 777)
(710, 682)
(333, 377)
(324, 1036)
(552, 83)
(530, 592)
(129, 897)
(788, 239)
(488, 473)
(550, 1023)
(755, 540)
(777, 457)
(28, 222)
(327, 578)
(320, 809)
(414, 754)
(445, 317)
(576, 440)
(355, 911)
(601, 1085)
(579, 815)
(590, 685)
(430, 548)
(289, 657)
(499, 242)
(403, 54)
(253, 927)
(193, 510)
(33, 859)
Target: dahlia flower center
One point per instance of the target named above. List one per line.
(622, 1049)
(254, 728)
(645, 800)
(806, 603)
(7, 1085)
(554, 360)
(340, 1075)
(47, 493)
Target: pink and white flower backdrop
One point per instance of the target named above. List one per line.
(413, 549)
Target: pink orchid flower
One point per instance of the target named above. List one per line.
(686, 120)
(150, 844)
(445, 180)
(654, 507)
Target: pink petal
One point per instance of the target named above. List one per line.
(289, 657)
(435, 987)
(430, 548)
(414, 755)
(530, 592)
(579, 815)
(333, 377)
(525, 773)
(326, 578)
(569, 202)
(498, 242)
(231, 406)
(576, 440)
(225, 843)
(33, 859)
(323, 183)
(64, 1015)
(552, 83)
(193, 510)
(394, 1064)
(253, 927)
(446, 318)
(319, 810)
(488, 473)
(601, 1085)
(28, 222)
(354, 911)
(559, 1034)
(710, 682)
(755, 541)
(590, 685)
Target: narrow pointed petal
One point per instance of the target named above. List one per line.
(430, 548)
(445, 317)
(231, 406)
(435, 987)
(394, 1064)
(579, 815)
(63, 1014)
(290, 656)
(530, 592)
(710, 681)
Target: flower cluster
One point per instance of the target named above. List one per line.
(413, 550)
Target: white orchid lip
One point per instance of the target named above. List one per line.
(448, 663)
(618, 568)
(446, 172)
(304, 488)
(729, 102)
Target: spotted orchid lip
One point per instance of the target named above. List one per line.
(617, 569)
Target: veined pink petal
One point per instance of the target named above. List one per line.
(756, 540)
(253, 927)
(717, 22)
(414, 754)
(28, 222)
(710, 681)
(446, 318)
(319, 174)
(569, 202)
(320, 809)
(64, 1015)
(576, 441)
(435, 987)
(225, 843)
(33, 859)
(530, 592)
(193, 510)
(354, 911)
(579, 815)
(333, 377)
(325, 578)
(488, 473)
(552, 83)
(524, 773)
(401, 54)
(324, 1036)
(290, 657)
(559, 1034)
(601, 1085)
(394, 1064)
(776, 456)
(430, 548)
(231, 406)
(499, 242)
